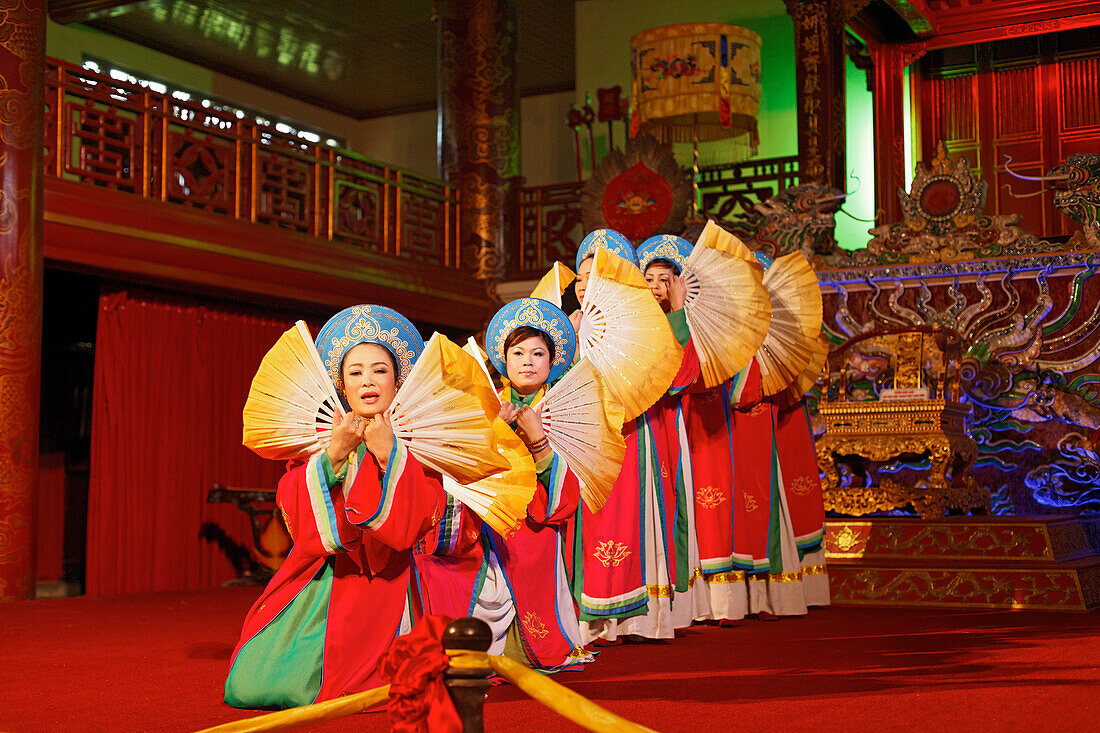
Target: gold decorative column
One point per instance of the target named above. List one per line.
(819, 75)
(479, 126)
(22, 69)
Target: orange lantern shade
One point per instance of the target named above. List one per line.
(697, 82)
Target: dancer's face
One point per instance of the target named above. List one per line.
(658, 275)
(582, 279)
(528, 364)
(370, 381)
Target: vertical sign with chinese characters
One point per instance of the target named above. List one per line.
(819, 74)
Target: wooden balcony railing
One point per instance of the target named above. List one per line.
(110, 133)
(550, 229)
(731, 190)
(550, 216)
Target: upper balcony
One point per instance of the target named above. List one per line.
(143, 186)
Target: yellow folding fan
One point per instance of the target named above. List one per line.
(445, 412)
(795, 323)
(808, 377)
(626, 335)
(727, 307)
(584, 425)
(521, 467)
(292, 402)
(553, 284)
(716, 237)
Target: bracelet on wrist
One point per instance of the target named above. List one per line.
(539, 445)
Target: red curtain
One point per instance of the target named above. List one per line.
(171, 378)
(51, 516)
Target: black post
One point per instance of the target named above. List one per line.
(468, 687)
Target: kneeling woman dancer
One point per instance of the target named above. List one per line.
(355, 511)
(518, 585)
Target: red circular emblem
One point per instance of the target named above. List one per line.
(637, 202)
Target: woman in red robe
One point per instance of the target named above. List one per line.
(626, 557)
(518, 584)
(358, 513)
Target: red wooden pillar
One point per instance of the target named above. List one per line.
(479, 126)
(889, 62)
(22, 69)
(819, 74)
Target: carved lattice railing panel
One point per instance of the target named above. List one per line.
(550, 229)
(114, 134)
(731, 191)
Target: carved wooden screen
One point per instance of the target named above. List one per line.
(1033, 99)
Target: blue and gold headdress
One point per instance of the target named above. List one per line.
(664, 247)
(368, 324)
(765, 260)
(539, 314)
(608, 239)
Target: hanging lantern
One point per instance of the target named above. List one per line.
(697, 82)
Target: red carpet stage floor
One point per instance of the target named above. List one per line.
(157, 662)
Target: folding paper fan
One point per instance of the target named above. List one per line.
(584, 425)
(626, 335)
(553, 284)
(808, 377)
(795, 324)
(520, 473)
(292, 401)
(716, 237)
(727, 308)
(471, 347)
(444, 413)
(516, 481)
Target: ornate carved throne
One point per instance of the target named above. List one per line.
(894, 394)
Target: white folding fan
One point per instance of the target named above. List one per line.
(626, 335)
(791, 396)
(584, 425)
(727, 307)
(795, 323)
(444, 412)
(292, 402)
(553, 284)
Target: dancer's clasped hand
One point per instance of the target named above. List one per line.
(347, 434)
(527, 421)
(351, 430)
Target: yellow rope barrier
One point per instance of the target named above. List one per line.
(558, 698)
(307, 714)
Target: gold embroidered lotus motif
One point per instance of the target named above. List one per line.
(709, 497)
(803, 485)
(751, 505)
(759, 409)
(610, 553)
(533, 625)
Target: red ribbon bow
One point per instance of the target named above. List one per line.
(414, 667)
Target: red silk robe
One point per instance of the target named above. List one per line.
(625, 557)
(532, 566)
(533, 570)
(347, 588)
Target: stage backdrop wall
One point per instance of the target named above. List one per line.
(171, 378)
